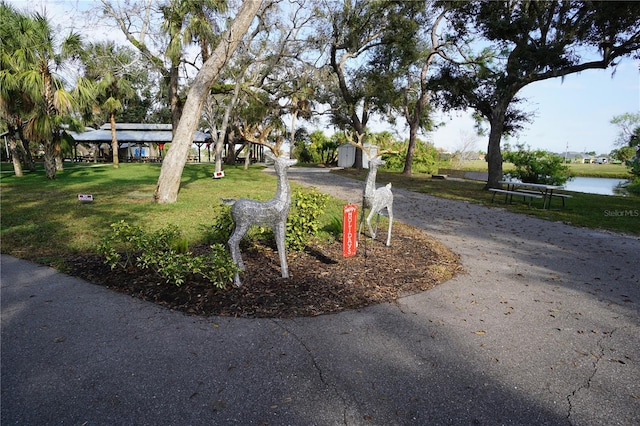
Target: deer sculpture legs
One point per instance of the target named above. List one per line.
(377, 199)
(242, 227)
(382, 199)
(272, 213)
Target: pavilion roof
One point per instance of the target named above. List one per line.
(134, 133)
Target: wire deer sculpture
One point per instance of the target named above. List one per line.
(273, 213)
(376, 199)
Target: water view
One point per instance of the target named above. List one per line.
(591, 185)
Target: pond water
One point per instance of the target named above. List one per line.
(591, 185)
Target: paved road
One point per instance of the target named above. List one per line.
(542, 329)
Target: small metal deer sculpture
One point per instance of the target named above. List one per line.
(377, 199)
(272, 213)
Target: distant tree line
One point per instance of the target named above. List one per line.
(282, 66)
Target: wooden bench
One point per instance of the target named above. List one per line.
(506, 193)
(561, 196)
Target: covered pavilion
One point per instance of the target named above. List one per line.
(136, 142)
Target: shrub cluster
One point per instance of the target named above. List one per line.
(537, 166)
(425, 157)
(166, 252)
(634, 169)
(221, 227)
(304, 217)
(303, 223)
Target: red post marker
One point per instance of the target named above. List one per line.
(349, 232)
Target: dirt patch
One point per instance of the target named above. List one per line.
(321, 281)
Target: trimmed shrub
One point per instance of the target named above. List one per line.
(304, 217)
(166, 252)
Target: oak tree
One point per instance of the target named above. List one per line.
(503, 46)
(175, 160)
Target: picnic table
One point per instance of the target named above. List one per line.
(530, 191)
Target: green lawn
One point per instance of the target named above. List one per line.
(43, 220)
(614, 213)
(618, 171)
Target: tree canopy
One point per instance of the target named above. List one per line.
(31, 55)
(349, 60)
(503, 46)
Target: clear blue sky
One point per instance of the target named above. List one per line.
(574, 112)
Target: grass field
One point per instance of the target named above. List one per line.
(43, 220)
(614, 213)
(618, 171)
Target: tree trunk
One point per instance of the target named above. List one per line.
(292, 142)
(15, 154)
(114, 141)
(411, 149)
(231, 153)
(494, 154)
(173, 164)
(31, 165)
(57, 150)
(49, 160)
(358, 162)
(59, 162)
(247, 159)
(175, 105)
(232, 140)
(360, 131)
(225, 124)
(414, 119)
(355, 122)
(52, 148)
(217, 149)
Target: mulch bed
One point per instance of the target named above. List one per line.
(322, 280)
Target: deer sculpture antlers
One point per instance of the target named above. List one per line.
(262, 133)
(377, 199)
(272, 213)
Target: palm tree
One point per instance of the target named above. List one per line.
(110, 68)
(186, 22)
(13, 104)
(11, 113)
(174, 161)
(34, 60)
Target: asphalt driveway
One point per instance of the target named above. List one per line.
(543, 328)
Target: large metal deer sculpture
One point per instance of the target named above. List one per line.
(272, 213)
(376, 199)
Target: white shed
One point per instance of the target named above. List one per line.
(347, 155)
